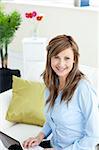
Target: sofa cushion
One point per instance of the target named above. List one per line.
(21, 132)
(27, 102)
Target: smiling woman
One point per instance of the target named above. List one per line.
(71, 107)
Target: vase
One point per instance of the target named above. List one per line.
(35, 31)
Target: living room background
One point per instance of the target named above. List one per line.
(81, 23)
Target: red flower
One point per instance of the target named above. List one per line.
(39, 18)
(34, 13)
(30, 15)
(27, 15)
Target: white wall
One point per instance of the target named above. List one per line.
(81, 23)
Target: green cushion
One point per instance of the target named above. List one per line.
(27, 104)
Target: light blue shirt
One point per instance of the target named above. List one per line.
(76, 126)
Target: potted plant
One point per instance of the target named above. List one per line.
(9, 23)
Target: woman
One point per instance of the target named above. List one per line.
(71, 108)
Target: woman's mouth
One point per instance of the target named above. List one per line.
(60, 69)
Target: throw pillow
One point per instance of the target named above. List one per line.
(27, 102)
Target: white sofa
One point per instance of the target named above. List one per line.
(18, 131)
(23, 131)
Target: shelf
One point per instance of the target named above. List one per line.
(52, 4)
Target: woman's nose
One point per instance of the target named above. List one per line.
(61, 63)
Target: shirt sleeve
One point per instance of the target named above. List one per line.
(89, 105)
(46, 129)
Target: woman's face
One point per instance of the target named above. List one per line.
(62, 63)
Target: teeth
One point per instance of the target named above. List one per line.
(61, 69)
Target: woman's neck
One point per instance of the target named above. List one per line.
(61, 83)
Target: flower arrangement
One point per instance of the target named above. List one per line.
(35, 17)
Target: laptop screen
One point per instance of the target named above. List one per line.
(9, 142)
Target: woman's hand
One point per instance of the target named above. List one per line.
(31, 142)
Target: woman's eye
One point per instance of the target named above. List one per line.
(67, 58)
(56, 57)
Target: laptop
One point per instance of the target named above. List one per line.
(13, 144)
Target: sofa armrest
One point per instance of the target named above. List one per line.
(5, 98)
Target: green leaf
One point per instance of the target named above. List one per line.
(9, 23)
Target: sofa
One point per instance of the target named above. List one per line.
(22, 131)
(18, 131)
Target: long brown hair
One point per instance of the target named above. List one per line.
(55, 46)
